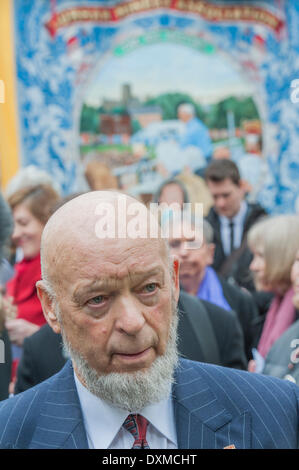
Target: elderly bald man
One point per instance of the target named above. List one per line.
(113, 297)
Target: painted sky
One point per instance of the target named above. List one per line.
(160, 68)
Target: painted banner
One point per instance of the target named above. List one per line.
(103, 81)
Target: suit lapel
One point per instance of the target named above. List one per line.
(60, 423)
(201, 419)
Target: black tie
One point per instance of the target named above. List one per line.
(231, 226)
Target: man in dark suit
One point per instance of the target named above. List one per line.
(113, 298)
(231, 217)
(206, 333)
(199, 279)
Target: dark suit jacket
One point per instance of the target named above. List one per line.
(5, 367)
(42, 357)
(42, 352)
(245, 307)
(213, 407)
(226, 328)
(239, 270)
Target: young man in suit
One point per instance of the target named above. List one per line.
(112, 294)
(231, 217)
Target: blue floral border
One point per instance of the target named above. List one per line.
(49, 85)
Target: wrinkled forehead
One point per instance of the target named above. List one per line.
(115, 272)
(115, 231)
(87, 255)
(113, 263)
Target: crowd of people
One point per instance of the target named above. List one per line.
(193, 334)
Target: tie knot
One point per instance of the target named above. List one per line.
(137, 424)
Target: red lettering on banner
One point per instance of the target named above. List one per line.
(206, 10)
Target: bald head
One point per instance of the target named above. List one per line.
(95, 220)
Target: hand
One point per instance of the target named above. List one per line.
(7, 306)
(11, 388)
(19, 329)
(251, 366)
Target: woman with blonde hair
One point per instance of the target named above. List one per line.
(274, 242)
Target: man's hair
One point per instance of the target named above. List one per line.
(40, 199)
(187, 108)
(207, 229)
(175, 217)
(30, 175)
(278, 236)
(168, 182)
(222, 169)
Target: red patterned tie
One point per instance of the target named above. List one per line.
(136, 425)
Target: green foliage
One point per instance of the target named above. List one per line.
(242, 109)
(135, 126)
(118, 110)
(90, 119)
(169, 103)
(215, 116)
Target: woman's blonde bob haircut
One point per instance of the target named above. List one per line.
(278, 238)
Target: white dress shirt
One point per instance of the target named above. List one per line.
(103, 423)
(238, 221)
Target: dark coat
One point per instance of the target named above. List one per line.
(42, 352)
(245, 307)
(42, 357)
(236, 266)
(226, 328)
(5, 367)
(283, 358)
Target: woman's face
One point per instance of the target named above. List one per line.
(172, 193)
(27, 231)
(295, 280)
(258, 266)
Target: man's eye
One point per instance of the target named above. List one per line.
(149, 288)
(175, 243)
(99, 299)
(23, 223)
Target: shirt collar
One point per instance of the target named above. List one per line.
(238, 218)
(105, 420)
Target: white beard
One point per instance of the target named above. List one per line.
(131, 391)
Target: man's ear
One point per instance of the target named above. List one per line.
(175, 276)
(211, 253)
(245, 186)
(48, 306)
